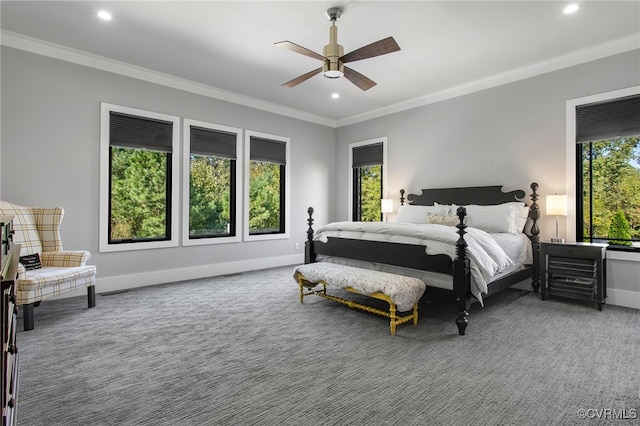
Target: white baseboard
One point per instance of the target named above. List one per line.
(626, 298)
(130, 281)
(629, 299)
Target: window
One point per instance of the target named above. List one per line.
(367, 177)
(210, 208)
(608, 171)
(266, 186)
(138, 179)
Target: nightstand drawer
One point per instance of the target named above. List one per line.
(575, 251)
(573, 286)
(572, 266)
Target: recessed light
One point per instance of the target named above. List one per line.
(335, 95)
(572, 8)
(104, 15)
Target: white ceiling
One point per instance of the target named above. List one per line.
(447, 47)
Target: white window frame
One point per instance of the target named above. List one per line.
(570, 153)
(104, 245)
(385, 161)
(287, 186)
(186, 178)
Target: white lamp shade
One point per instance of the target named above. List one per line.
(556, 205)
(386, 205)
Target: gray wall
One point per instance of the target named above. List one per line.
(50, 156)
(509, 135)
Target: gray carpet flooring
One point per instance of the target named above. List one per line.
(242, 350)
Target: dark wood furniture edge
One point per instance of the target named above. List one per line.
(481, 195)
(10, 378)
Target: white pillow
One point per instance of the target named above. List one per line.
(418, 214)
(522, 214)
(499, 218)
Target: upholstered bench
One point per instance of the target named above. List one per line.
(402, 293)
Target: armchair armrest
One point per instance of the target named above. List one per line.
(21, 271)
(65, 258)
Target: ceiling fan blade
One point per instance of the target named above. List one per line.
(380, 47)
(303, 77)
(299, 49)
(364, 83)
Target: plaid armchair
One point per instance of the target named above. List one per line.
(45, 269)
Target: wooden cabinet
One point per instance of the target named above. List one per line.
(8, 271)
(577, 271)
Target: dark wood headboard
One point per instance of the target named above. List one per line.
(482, 195)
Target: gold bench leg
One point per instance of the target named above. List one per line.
(392, 315)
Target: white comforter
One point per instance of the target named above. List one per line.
(486, 256)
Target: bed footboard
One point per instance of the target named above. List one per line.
(462, 275)
(414, 257)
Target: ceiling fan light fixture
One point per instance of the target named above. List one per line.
(333, 74)
(333, 69)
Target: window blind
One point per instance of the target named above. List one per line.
(608, 119)
(367, 155)
(212, 143)
(268, 151)
(130, 131)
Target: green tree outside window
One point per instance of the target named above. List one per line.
(138, 194)
(611, 187)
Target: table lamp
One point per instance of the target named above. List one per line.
(386, 206)
(557, 206)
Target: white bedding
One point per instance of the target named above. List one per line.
(486, 251)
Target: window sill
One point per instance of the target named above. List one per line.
(612, 247)
(623, 253)
(265, 237)
(210, 241)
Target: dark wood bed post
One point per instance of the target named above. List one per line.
(461, 275)
(309, 252)
(534, 215)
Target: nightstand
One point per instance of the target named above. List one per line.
(574, 270)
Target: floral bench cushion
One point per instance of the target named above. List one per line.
(405, 292)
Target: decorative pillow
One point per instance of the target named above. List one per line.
(508, 217)
(418, 214)
(442, 219)
(31, 261)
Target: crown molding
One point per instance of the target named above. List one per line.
(574, 58)
(56, 51)
(79, 57)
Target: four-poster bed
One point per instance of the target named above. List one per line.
(457, 264)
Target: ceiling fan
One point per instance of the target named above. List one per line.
(334, 58)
